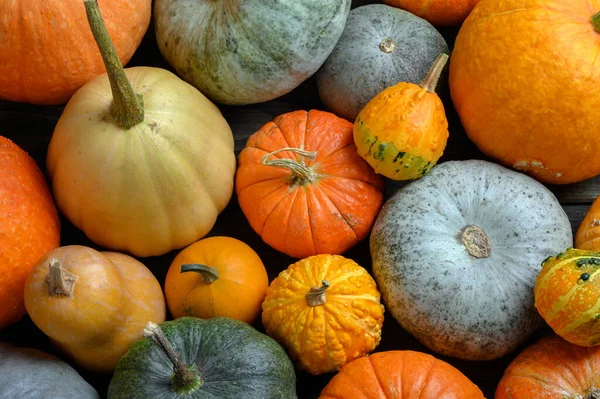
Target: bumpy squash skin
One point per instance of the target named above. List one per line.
(457, 304)
(552, 368)
(400, 375)
(402, 132)
(235, 360)
(113, 299)
(32, 374)
(588, 233)
(322, 338)
(363, 62)
(566, 295)
(247, 51)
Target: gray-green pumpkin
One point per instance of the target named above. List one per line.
(196, 358)
(247, 51)
(31, 374)
(380, 46)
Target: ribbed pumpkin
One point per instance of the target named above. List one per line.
(29, 225)
(588, 233)
(325, 310)
(567, 295)
(402, 131)
(523, 75)
(438, 12)
(216, 276)
(552, 368)
(400, 375)
(303, 187)
(47, 51)
(93, 305)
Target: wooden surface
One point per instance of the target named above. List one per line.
(31, 127)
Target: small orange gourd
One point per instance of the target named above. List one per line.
(93, 305)
(402, 131)
(325, 311)
(216, 276)
(588, 233)
(437, 12)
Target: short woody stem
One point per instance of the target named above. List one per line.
(596, 22)
(60, 282)
(430, 81)
(210, 274)
(316, 296)
(300, 172)
(476, 241)
(127, 108)
(185, 379)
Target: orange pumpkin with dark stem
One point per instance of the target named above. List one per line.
(552, 368)
(29, 225)
(437, 12)
(588, 233)
(400, 375)
(216, 276)
(304, 188)
(47, 51)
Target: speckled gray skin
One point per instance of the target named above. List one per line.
(358, 69)
(235, 361)
(454, 303)
(27, 373)
(247, 51)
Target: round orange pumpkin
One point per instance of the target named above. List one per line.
(47, 51)
(400, 375)
(437, 12)
(93, 305)
(567, 293)
(552, 368)
(523, 79)
(29, 225)
(325, 311)
(588, 233)
(304, 188)
(216, 276)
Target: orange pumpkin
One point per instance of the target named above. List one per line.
(523, 75)
(588, 233)
(216, 276)
(303, 187)
(566, 293)
(29, 225)
(437, 12)
(325, 311)
(400, 375)
(93, 305)
(47, 51)
(552, 368)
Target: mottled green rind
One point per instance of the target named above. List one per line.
(247, 51)
(236, 361)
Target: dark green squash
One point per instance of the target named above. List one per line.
(214, 358)
(27, 373)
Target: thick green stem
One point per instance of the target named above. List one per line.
(433, 76)
(210, 274)
(127, 108)
(316, 296)
(596, 21)
(60, 282)
(185, 379)
(301, 174)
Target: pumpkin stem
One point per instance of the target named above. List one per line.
(301, 174)
(127, 108)
(594, 394)
(316, 296)
(185, 379)
(60, 282)
(210, 274)
(596, 21)
(433, 76)
(387, 45)
(477, 242)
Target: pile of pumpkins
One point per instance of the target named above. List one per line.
(470, 257)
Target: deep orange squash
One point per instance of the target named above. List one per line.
(47, 51)
(437, 12)
(588, 233)
(400, 375)
(304, 188)
(552, 368)
(29, 225)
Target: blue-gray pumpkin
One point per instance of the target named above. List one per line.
(247, 51)
(380, 46)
